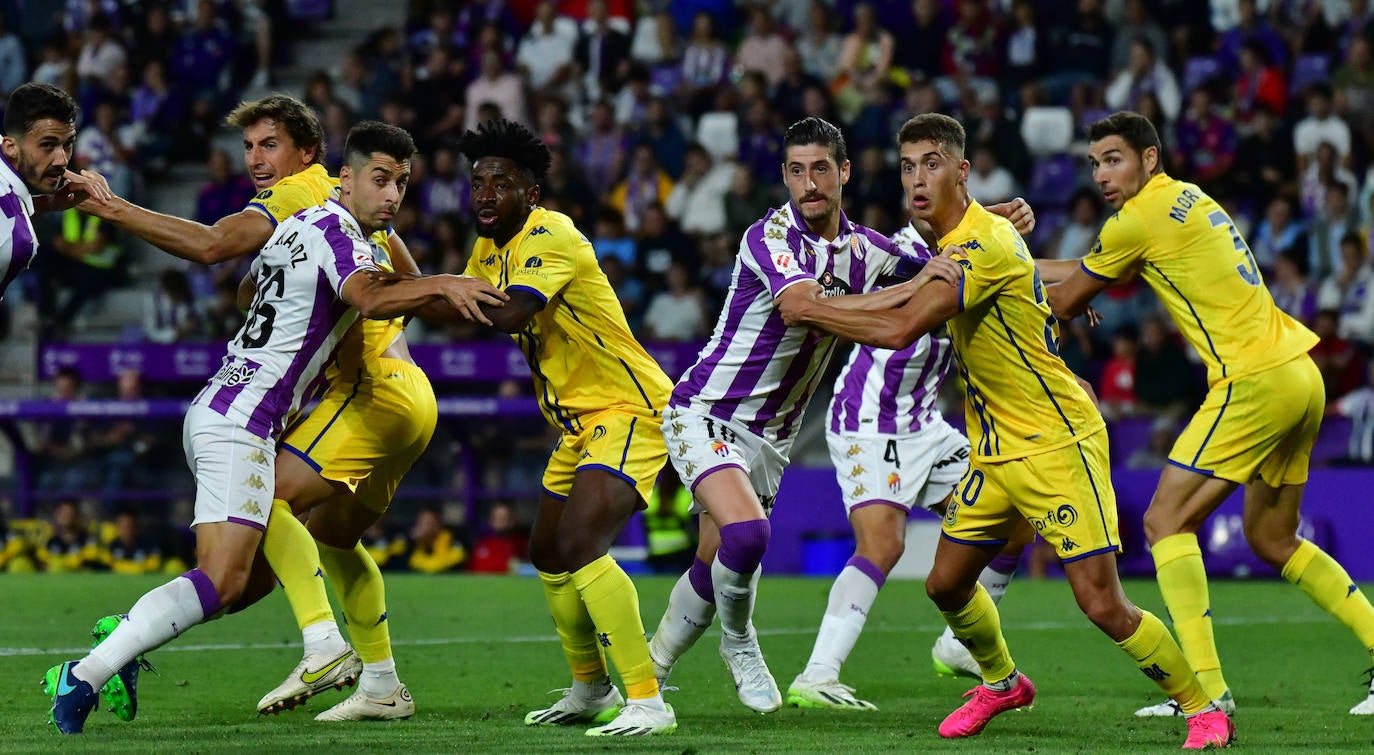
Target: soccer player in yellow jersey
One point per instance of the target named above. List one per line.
(1039, 444)
(346, 458)
(1264, 402)
(604, 393)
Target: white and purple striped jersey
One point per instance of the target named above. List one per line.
(756, 370)
(296, 320)
(18, 243)
(887, 392)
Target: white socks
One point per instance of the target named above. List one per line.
(734, 599)
(851, 598)
(162, 614)
(379, 679)
(323, 637)
(683, 623)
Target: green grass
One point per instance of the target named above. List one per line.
(477, 653)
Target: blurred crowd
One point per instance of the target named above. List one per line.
(666, 120)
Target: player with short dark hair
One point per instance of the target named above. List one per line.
(604, 394)
(1039, 443)
(1265, 399)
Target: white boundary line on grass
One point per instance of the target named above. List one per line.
(1034, 626)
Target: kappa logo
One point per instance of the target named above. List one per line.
(533, 262)
(678, 427)
(1155, 672)
(1068, 545)
(681, 450)
(256, 457)
(537, 230)
(859, 490)
(674, 414)
(251, 508)
(489, 260)
(688, 469)
(971, 245)
(857, 470)
(854, 450)
(894, 482)
(255, 482)
(720, 449)
(603, 638)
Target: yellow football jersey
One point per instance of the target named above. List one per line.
(1190, 253)
(367, 341)
(1021, 397)
(579, 347)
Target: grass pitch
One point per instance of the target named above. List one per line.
(478, 652)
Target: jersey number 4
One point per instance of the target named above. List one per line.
(1249, 271)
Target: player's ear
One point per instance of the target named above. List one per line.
(844, 173)
(1150, 159)
(532, 195)
(10, 146)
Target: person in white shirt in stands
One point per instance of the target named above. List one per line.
(678, 313)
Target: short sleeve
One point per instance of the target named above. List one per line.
(546, 261)
(344, 256)
(281, 202)
(1121, 244)
(770, 248)
(985, 273)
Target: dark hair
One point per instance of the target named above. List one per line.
(937, 127)
(32, 102)
(1353, 237)
(813, 130)
(503, 138)
(1133, 128)
(298, 119)
(370, 137)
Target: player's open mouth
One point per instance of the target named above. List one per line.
(920, 203)
(1110, 196)
(262, 180)
(487, 217)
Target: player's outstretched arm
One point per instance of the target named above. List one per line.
(232, 236)
(927, 308)
(75, 189)
(379, 297)
(1070, 298)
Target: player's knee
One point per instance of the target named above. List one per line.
(1161, 521)
(1109, 612)
(1272, 549)
(545, 557)
(229, 580)
(947, 594)
(883, 551)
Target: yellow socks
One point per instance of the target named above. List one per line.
(978, 627)
(291, 552)
(575, 628)
(358, 582)
(613, 605)
(1159, 657)
(1329, 586)
(1183, 584)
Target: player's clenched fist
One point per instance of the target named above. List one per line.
(466, 293)
(943, 268)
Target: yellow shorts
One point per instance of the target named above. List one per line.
(626, 444)
(1066, 494)
(367, 434)
(1260, 425)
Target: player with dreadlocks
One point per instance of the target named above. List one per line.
(605, 394)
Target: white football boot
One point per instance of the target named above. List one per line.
(314, 674)
(360, 707)
(753, 681)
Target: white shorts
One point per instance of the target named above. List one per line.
(235, 470)
(699, 444)
(910, 470)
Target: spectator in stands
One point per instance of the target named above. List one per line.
(130, 550)
(1358, 407)
(445, 189)
(1353, 83)
(1083, 47)
(1165, 381)
(1350, 289)
(226, 192)
(989, 182)
(1026, 51)
(101, 53)
(1258, 82)
(87, 265)
(1116, 388)
(545, 54)
(697, 202)
(602, 53)
(817, 46)
(1076, 237)
(16, 552)
(786, 99)
(654, 41)
(13, 66)
(1290, 288)
(610, 238)
(1155, 453)
(631, 103)
(660, 130)
(1279, 233)
(679, 312)
(338, 119)
(747, 201)
(1206, 140)
(760, 139)
(222, 315)
(761, 49)
(172, 315)
(73, 545)
(565, 186)
(101, 147)
(501, 544)
(1328, 230)
(386, 548)
(154, 115)
(202, 60)
(870, 183)
(433, 547)
(864, 65)
(1338, 359)
(55, 68)
(629, 289)
(604, 150)
(497, 85)
(1265, 163)
(645, 184)
(1145, 73)
(705, 63)
(661, 243)
(1320, 125)
(154, 39)
(438, 98)
(1136, 23)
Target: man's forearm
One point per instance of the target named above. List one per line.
(383, 301)
(1056, 271)
(875, 301)
(880, 328)
(179, 237)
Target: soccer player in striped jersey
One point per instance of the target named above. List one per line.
(595, 384)
(40, 134)
(313, 282)
(1039, 443)
(892, 451)
(1265, 396)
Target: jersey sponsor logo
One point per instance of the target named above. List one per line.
(1061, 517)
(489, 260)
(720, 449)
(234, 373)
(263, 194)
(251, 508)
(954, 458)
(972, 245)
(832, 286)
(533, 262)
(537, 230)
(894, 482)
(785, 263)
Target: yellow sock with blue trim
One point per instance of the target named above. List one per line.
(1330, 586)
(1183, 585)
(613, 604)
(576, 631)
(1157, 656)
(291, 552)
(358, 582)
(978, 628)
